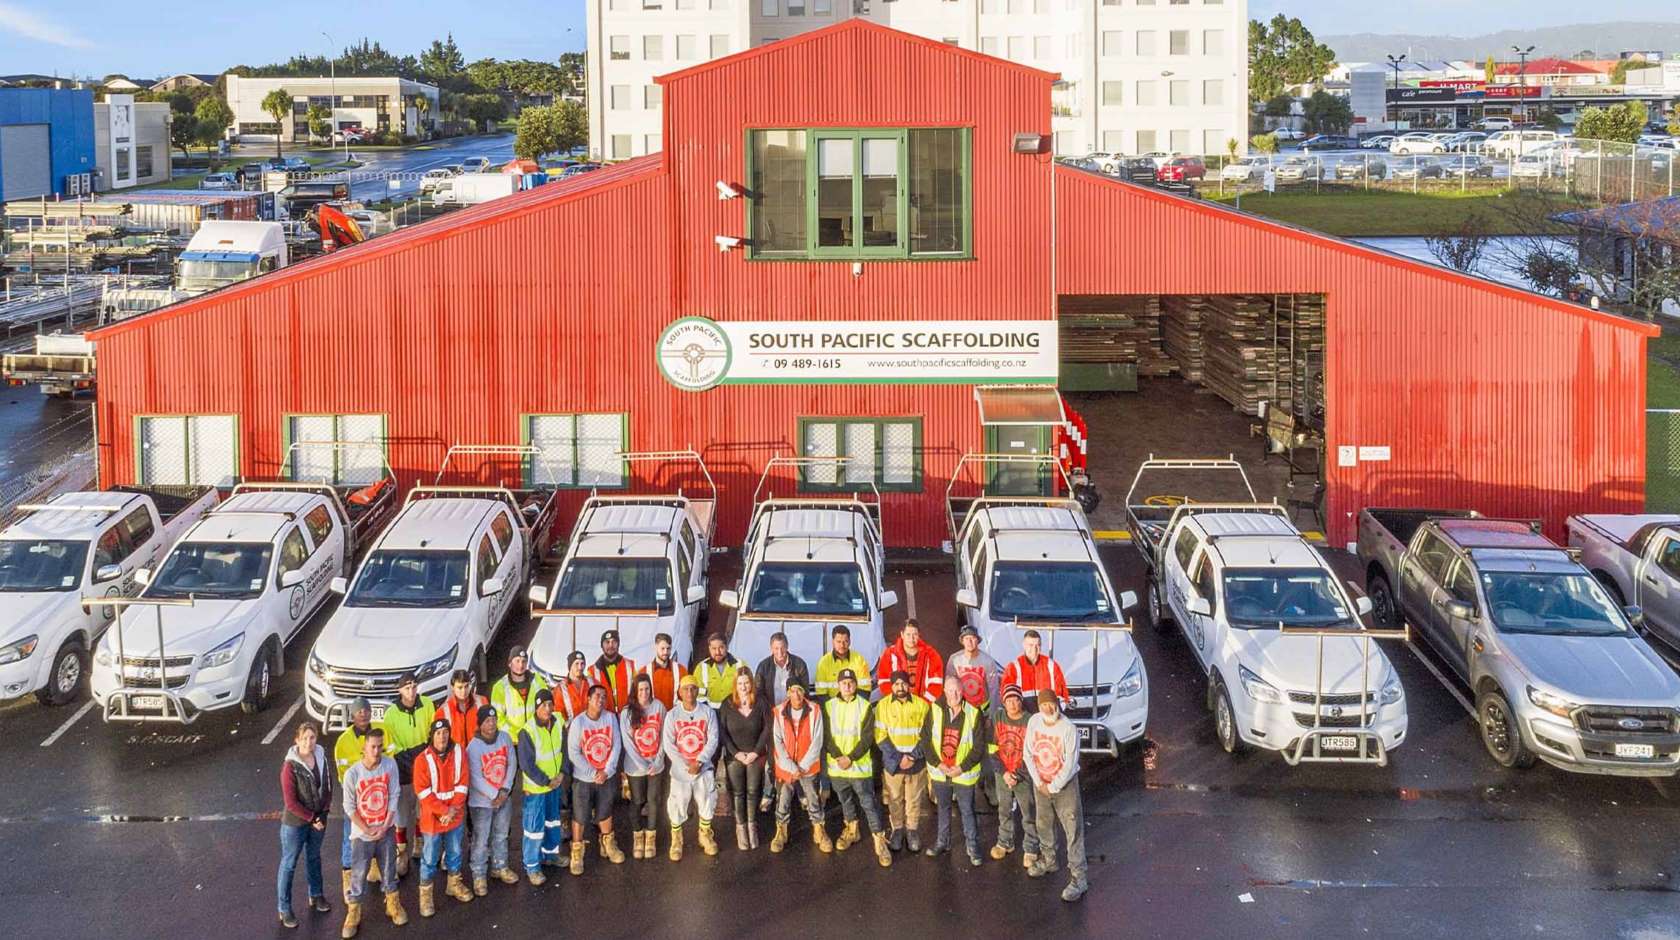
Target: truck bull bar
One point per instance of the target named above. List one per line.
(1309, 747)
(1095, 722)
(120, 704)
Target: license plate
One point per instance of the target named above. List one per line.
(1339, 742)
(1086, 733)
(378, 711)
(1636, 750)
(147, 703)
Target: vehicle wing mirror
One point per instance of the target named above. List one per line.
(538, 596)
(339, 585)
(142, 576)
(292, 578)
(1459, 610)
(889, 599)
(108, 573)
(1200, 607)
(696, 593)
(1635, 615)
(490, 586)
(1362, 606)
(968, 597)
(729, 598)
(1128, 600)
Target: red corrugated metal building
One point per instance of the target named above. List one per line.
(560, 312)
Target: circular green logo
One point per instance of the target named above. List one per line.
(693, 353)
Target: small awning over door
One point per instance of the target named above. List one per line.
(1019, 404)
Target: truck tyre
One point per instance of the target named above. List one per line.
(1157, 611)
(1611, 587)
(65, 678)
(1225, 721)
(1383, 609)
(1500, 734)
(480, 667)
(259, 685)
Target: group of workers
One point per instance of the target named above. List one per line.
(674, 741)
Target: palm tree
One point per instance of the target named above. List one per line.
(422, 104)
(278, 104)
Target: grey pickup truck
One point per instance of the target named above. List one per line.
(1637, 559)
(1557, 669)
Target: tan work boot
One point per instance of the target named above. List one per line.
(999, 852)
(481, 887)
(373, 871)
(506, 876)
(1028, 859)
(708, 841)
(849, 837)
(347, 886)
(427, 908)
(402, 861)
(536, 877)
(819, 832)
(394, 909)
(881, 854)
(610, 849)
(779, 841)
(577, 856)
(457, 888)
(352, 920)
(676, 843)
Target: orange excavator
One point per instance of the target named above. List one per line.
(335, 228)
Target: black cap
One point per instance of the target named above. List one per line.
(575, 656)
(543, 695)
(437, 724)
(609, 634)
(486, 713)
(517, 652)
(793, 682)
(968, 630)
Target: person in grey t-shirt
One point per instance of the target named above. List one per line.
(491, 764)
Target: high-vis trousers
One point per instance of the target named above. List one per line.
(543, 831)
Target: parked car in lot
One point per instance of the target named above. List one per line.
(1532, 166)
(1330, 142)
(1362, 168)
(1556, 667)
(430, 179)
(1379, 142)
(1104, 162)
(1515, 143)
(73, 548)
(294, 165)
(218, 181)
(1287, 133)
(1416, 143)
(476, 165)
(1140, 169)
(1494, 124)
(1468, 142)
(1181, 170)
(1416, 168)
(1637, 559)
(1467, 166)
(1299, 169)
(1244, 170)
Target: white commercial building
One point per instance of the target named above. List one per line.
(130, 142)
(373, 104)
(1137, 75)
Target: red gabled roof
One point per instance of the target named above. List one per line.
(838, 29)
(1552, 66)
(580, 186)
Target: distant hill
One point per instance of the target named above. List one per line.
(1605, 40)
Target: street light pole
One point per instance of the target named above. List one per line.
(1522, 79)
(1394, 64)
(332, 72)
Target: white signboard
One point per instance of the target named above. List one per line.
(1373, 453)
(696, 353)
(1268, 180)
(1347, 456)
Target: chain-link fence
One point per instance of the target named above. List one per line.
(1662, 460)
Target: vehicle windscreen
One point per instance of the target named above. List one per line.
(41, 564)
(209, 275)
(1047, 590)
(1552, 604)
(213, 569)
(818, 589)
(616, 584)
(1296, 597)
(399, 578)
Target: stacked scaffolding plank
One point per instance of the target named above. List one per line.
(1115, 329)
(1300, 330)
(1181, 333)
(1240, 358)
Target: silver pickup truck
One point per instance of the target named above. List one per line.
(1556, 667)
(1637, 559)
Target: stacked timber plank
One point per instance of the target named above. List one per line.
(1114, 328)
(1240, 362)
(1181, 333)
(1300, 339)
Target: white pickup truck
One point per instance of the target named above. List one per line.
(635, 564)
(432, 593)
(71, 548)
(1030, 563)
(1637, 559)
(1291, 665)
(809, 564)
(210, 628)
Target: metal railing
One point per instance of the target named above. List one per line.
(141, 703)
(1310, 747)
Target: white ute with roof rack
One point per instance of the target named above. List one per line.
(635, 564)
(810, 564)
(65, 551)
(1291, 665)
(433, 591)
(1030, 563)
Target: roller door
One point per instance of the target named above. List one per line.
(25, 161)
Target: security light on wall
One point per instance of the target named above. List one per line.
(1031, 143)
(727, 190)
(726, 242)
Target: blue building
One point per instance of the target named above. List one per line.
(46, 137)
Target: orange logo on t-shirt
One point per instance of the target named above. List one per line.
(646, 737)
(597, 746)
(691, 738)
(494, 765)
(373, 800)
(1046, 756)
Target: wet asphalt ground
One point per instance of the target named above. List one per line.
(163, 831)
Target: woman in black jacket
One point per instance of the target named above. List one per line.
(306, 792)
(744, 726)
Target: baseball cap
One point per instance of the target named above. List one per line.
(846, 674)
(793, 682)
(688, 681)
(968, 630)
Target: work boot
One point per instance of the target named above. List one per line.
(457, 888)
(481, 887)
(1001, 851)
(1044, 866)
(319, 904)
(849, 837)
(577, 857)
(779, 841)
(1029, 859)
(536, 877)
(506, 876)
(1075, 890)
(939, 847)
(752, 828)
(973, 854)
(610, 849)
(636, 843)
(708, 839)
(402, 861)
(394, 909)
(819, 832)
(427, 908)
(346, 886)
(288, 920)
(676, 844)
(913, 841)
(896, 840)
(881, 854)
(373, 871)
(741, 836)
(352, 920)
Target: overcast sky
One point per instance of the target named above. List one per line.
(95, 37)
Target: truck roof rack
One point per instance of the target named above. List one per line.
(334, 448)
(956, 519)
(523, 451)
(1228, 462)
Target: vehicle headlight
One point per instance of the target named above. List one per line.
(1391, 690)
(1131, 683)
(317, 666)
(1546, 701)
(103, 655)
(223, 653)
(18, 651)
(436, 667)
(1257, 688)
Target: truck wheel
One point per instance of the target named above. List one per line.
(259, 685)
(64, 680)
(1157, 611)
(1500, 734)
(1611, 588)
(1383, 609)
(1225, 721)
(480, 667)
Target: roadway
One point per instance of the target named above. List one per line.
(166, 831)
(407, 160)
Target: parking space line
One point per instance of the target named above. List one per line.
(1456, 694)
(274, 732)
(86, 707)
(910, 598)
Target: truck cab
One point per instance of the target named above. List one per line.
(1557, 669)
(808, 565)
(210, 627)
(1290, 665)
(74, 547)
(635, 564)
(1637, 559)
(225, 253)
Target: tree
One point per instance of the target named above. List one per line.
(278, 104)
(1548, 119)
(443, 65)
(1280, 105)
(320, 121)
(1327, 113)
(1461, 250)
(211, 120)
(1264, 143)
(1281, 54)
(1674, 118)
(483, 110)
(1618, 72)
(422, 107)
(557, 128)
(183, 126)
(1621, 123)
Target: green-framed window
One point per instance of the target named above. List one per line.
(578, 450)
(883, 451)
(340, 466)
(860, 193)
(197, 450)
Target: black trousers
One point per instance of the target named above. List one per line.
(647, 801)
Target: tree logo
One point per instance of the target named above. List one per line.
(693, 354)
